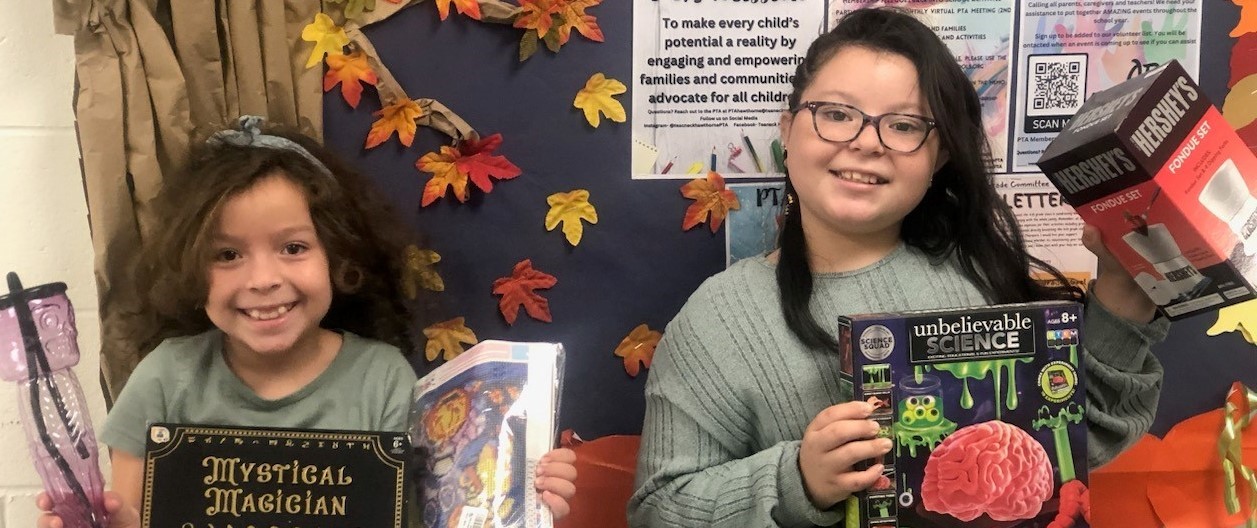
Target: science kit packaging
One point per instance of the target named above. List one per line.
(1154, 166)
(985, 407)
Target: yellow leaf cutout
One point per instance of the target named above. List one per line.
(1242, 317)
(570, 208)
(445, 338)
(1240, 105)
(420, 272)
(326, 36)
(596, 97)
(638, 349)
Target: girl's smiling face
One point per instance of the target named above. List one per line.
(269, 282)
(859, 187)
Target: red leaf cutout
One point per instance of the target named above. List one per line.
(518, 290)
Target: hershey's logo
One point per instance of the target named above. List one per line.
(1094, 170)
(1164, 116)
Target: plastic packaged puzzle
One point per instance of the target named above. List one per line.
(985, 407)
(480, 423)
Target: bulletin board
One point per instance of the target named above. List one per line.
(637, 265)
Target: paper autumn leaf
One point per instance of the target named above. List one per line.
(444, 339)
(471, 8)
(518, 290)
(444, 168)
(570, 208)
(326, 36)
(712, 201)
(638, 349)
(1241, 317)
(477, 161)
(572, 12)
(472, 160)
(420, 272)
(349, 71)
(398, 117)
(354, 8)
(595, 97)
(536, 15)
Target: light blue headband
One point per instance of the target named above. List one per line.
(250, 135)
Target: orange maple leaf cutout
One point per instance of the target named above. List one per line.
(518, 290)
(445, 339)
(444, 168)
(349, 71)
(537, 14)
(477, 161)
(638, 349)
(1247, 22)
(471, 8)
(712, 201)
(398, 117)
(573, 14)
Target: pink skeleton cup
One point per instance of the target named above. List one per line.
(39, 345)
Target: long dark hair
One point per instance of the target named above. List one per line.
(960, 215)
(365, 242)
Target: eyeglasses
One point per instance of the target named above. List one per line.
(839, 123)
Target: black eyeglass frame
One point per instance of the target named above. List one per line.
(930, 124)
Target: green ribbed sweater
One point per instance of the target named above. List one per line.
(731, 390)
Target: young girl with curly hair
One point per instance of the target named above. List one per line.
(272, 293)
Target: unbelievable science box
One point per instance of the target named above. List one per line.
(1169, 184)
(985, 407)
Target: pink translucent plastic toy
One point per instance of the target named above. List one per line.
(39, 344)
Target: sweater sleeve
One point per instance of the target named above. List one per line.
(1123, 380)
(697, 467)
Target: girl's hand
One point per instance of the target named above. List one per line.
(1114, 287)
(837, 438)
(556, 480)
(120, 516)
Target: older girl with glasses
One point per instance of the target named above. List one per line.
(890, 207)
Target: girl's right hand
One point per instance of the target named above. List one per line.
(120, 515)
(837, 438)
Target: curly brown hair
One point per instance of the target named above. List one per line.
(365, 241)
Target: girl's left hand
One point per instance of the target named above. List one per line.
(556, 480)
(1114, 287)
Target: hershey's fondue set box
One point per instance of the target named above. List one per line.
(1154, 166)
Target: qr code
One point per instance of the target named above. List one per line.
(1056, 84)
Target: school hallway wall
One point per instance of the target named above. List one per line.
(43, 218)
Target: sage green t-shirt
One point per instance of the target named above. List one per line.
(185, 380)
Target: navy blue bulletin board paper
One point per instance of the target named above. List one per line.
(635, 265)
(205, 475)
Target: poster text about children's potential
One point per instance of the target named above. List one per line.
(711, 79)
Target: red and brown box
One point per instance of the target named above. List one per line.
(1154, 166)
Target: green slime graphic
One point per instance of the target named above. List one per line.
(921, 424)
(1072, 412)
(882, 506)
(979, 370)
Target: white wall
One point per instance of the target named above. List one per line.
(43, 216)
